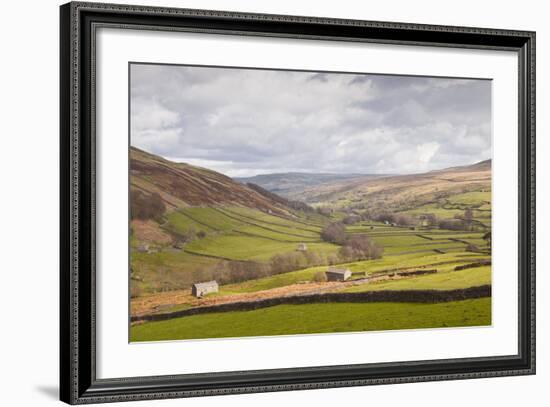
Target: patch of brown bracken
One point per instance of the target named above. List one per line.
(150, 231)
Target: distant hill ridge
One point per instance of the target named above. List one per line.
(292, 184)
(479, 166)
(327, 188)
(398, 191)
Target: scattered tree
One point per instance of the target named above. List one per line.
(451, 224)
(332, 259)
(334, 233)
(320, 277)
(487, 238)
(431, 220)
(324, 211)
(404, 220)
(360, 247)
(351, 219)
(468, 217)
(144, 206)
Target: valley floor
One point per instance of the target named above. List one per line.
(414, 258)
(381, 275)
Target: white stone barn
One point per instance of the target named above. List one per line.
(302, 247)
(338, 274)
(201, 289)
(143, 248)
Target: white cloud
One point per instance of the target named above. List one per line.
(426, 151)
(243, 122)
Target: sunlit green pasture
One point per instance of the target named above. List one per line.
(240, 247)
(443, 262)
(167, 269)
(246, 234)
(444, 247)
(280, 236)
(212, 218)
(472, 198)
(181, 223)
(435, 209)
(380, 230)
(254, 222)
(265, 218)
(290, 230)
(317, 318)
(445, 279)
(399, 240)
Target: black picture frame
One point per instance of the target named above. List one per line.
(78, 382)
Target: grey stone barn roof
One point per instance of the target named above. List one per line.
(206, 284)
(337, 271)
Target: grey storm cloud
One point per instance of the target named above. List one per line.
(244, 122)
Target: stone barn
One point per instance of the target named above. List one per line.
(143, 248)
(201, 289)
(302, 247)
(337, 274)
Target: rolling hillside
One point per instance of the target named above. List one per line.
(182, 185)
(402, 192)
(259, 246)
(209, 221)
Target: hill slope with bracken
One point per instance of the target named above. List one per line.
(182, 185)
(398, 191)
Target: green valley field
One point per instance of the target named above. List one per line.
(191, 225)
(318, 318)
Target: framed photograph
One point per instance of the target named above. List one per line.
(254, 203)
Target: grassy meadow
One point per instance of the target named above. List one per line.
(258, 248)
(245, 234)
(318, 318)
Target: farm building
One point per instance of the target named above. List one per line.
(143, 248)
(302, 247)
(337, 274)
(201, 289)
